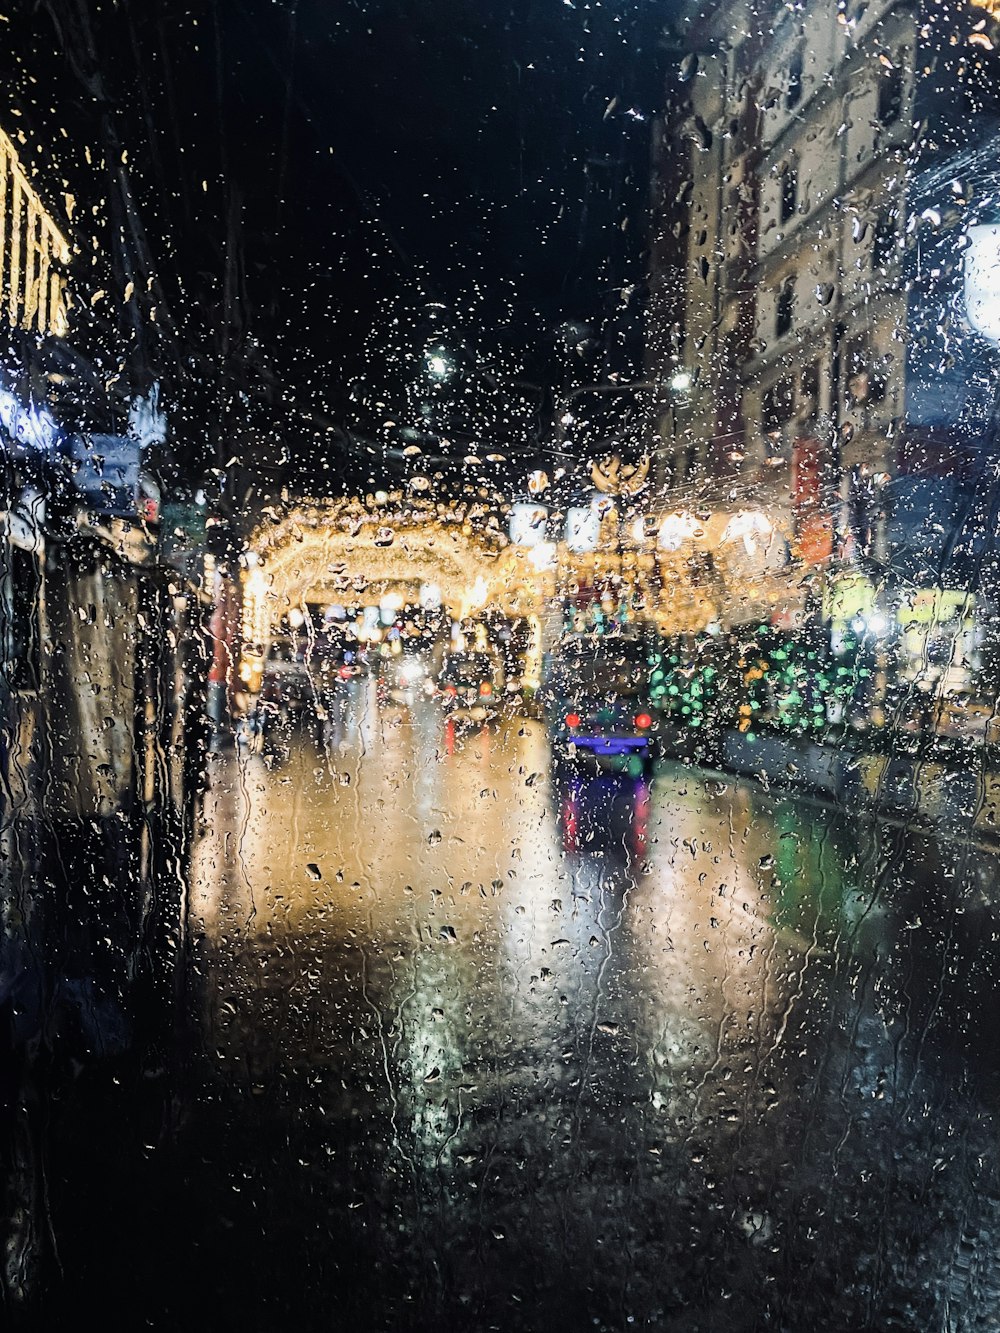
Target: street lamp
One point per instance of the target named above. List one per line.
(438, 365)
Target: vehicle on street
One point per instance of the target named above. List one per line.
(287, 693)
(596, 701)
(469, 686)
(286, 680)
(406, 675)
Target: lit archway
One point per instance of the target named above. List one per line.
(353, 551)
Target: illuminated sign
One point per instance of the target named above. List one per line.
(106, 473)
(813, 521)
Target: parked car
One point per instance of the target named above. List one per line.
(596, 701)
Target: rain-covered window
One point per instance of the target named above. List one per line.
(499, 659)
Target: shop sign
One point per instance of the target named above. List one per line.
(847, 598)
(936, 606)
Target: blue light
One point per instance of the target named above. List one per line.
(32, 427)
(611, 744)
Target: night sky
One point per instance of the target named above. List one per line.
(455, 153)
(383, 173)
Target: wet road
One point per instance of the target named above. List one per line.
(473, 1046)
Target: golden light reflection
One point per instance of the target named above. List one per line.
(34, 254)
(716, 968)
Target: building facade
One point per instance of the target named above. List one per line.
(827, 379)
(102, 661)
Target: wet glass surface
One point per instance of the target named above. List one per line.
(683, 1053)
(499, 658)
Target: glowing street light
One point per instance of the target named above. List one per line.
(527, 524)
(438, 365)
(583, 529)
(543, 557)
(755, 530)
(676, 529)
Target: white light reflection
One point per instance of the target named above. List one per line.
(982, 280)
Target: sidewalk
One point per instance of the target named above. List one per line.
(960, 792)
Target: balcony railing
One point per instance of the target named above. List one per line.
(34, 254)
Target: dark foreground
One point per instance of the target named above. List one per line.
(464, 1045)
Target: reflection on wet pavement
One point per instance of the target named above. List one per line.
(477, 1045)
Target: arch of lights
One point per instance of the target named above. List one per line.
(356, 551)
(352, 551)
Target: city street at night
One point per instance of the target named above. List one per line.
(500, 666)
(473, 1045)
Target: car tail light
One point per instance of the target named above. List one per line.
(642, 721)
(572, 719)
(486, 689)
(451, 691)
